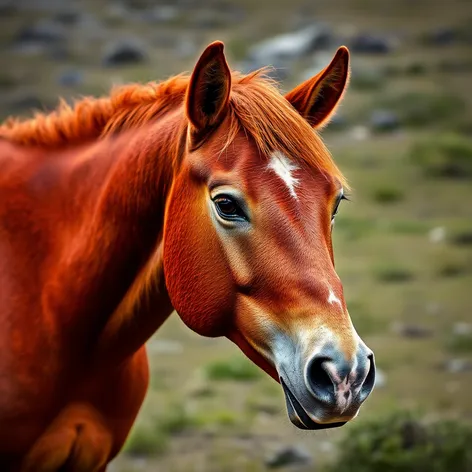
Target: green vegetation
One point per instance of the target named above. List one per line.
(459, 343)
(447, 155)
(393, 274)
(238, 368)
(403, 442)
(176, 419)
(146, 441)
(388, 194)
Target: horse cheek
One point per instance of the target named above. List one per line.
(197, 277)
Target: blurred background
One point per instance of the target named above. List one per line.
(403, 245)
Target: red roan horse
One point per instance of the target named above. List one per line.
(212, 195)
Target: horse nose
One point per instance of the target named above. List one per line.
(340, 384)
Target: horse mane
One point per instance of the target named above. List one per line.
(256, 106)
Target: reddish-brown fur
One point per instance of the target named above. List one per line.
(85, 198)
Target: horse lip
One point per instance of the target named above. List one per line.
(299, 416)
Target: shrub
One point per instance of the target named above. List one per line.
(459, 343)
(448, 155)
(145, 441)
(452, 269)
(393, 274)
(388, 195)
(462, 238)
(401, 442)
(237, 368)
(175, 420)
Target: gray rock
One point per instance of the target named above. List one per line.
(123, 52)
(437, 234)
(384, 120)
(367, 43)
(288, 455)
(458, 365)
(70, 78)
(291, 45)
(380, 378)
(45, 32)
(462, 329)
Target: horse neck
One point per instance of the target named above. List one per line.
(116, 254)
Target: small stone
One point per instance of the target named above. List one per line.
(384, 120)
(287, 456)
(371, 44)
(437, 235)
(290, 46)
(126, 51)
(45, 32)
(462, 329)
(458, 365)
(380, 378)
(359, 133)
(70, 78)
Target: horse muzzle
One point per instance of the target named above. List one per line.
(326, 390)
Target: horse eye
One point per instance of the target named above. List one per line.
(228, 208)
(336, 207)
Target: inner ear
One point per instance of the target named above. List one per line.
(208, 92)
(317, 98)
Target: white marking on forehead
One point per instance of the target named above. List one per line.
(332, 298)
(284, 168)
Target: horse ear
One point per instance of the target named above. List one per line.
(208, 92)
(317, 98)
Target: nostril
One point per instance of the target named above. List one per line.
(369, 381)
(319, 380)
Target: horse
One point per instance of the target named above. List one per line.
(211, 195)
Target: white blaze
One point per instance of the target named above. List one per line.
(332, 298)
(284, 168)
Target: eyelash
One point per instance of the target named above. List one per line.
(335, 212)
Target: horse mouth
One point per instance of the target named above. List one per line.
(299, 417)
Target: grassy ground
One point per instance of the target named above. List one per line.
(207, 409)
